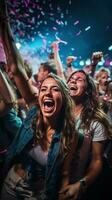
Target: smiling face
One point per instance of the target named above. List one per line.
(77, 84)
(50, 99)
(103, 78)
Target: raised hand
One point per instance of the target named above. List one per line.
(97, 56)
(54, 45)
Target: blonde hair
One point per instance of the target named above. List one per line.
(100, 72)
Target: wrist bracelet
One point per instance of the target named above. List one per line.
(83, 184)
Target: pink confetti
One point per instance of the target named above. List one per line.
(79, 33)
(26, 2)
(2, 53)
(77, 22)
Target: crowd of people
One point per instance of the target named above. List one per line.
(55, 126)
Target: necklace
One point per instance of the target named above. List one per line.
(50, 134)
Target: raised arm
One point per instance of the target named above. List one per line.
(7, 97)
(96, 57)
(57, 59)
(5, 89)
(14, 59)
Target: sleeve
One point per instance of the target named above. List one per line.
(98, 131)
(12, 122)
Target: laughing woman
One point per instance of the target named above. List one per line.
(36, 156)
(41, 145)
(94, 125)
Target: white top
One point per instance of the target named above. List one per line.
(98, 131)
(39, 155)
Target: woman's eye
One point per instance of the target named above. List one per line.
(42, 90)
(80, 79)
(56, 89)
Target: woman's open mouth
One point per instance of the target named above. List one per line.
(73, 87)
(49, 105)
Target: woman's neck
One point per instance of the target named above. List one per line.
(49, 132)
(51, 123)
(50, 128)
(78, 110)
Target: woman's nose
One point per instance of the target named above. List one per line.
(48, 91)
(74, 81)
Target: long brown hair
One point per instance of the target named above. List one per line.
(65, 125)
(91, 109)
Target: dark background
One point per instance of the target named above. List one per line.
(36, 24)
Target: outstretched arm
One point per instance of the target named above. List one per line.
(96, 57)
(57, 59)
(5, 89)
(14, 59)
(7, 97)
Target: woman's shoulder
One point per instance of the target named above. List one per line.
(31, 114)
(98, 130)
(32, 110)
(95, 123)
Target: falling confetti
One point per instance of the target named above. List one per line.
(38, 23)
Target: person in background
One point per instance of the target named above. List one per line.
(95, 59)
(109, 99)
(53, 65)
(102, 77)
(44, 69)
(94, 125)
(57, 60)
(51, 57)
(69, 62)
(105, 101)
(63, 73)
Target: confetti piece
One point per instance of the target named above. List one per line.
(54, 28)
(77, 22)
(79, 33)
(87, 28)
(47, 21)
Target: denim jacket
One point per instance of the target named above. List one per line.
(24, 135)
(10, 123)
(53, 168)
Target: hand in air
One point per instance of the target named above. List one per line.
(96, 57)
